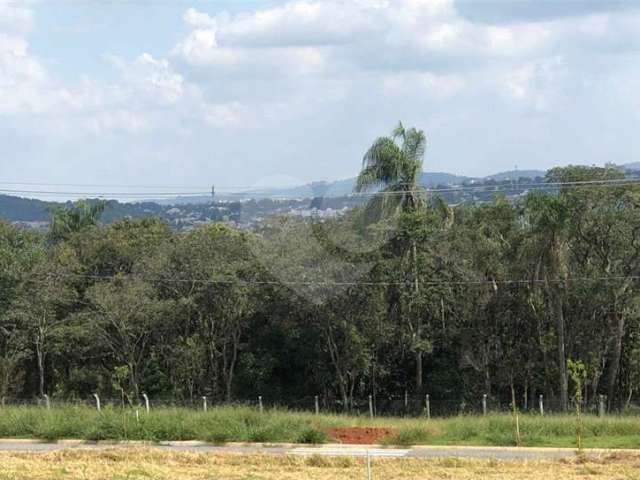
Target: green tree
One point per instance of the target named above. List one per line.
(19, 249)
(127, 314)
(393, 165)
(548, 248)
(79, 216)
(45, 299)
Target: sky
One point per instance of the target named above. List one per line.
(238, 93)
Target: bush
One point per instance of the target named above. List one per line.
(312, 435)
(409, 436)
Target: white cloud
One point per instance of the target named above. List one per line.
(16, 16)
(535, 84)
(432, 85)
(152, 79)
(299, 23)
(318, 79)
(225, 115)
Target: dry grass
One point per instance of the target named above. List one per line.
(151, 464)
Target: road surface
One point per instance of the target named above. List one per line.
(500, 453)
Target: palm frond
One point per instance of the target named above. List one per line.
(380, 164)
(396, 168)
(383, 206)
(368, 180)
(414, 145)
(399, 132)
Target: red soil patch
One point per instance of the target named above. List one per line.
(358, 435)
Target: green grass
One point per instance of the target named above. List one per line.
(244, 424)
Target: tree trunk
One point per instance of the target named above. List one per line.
(487, 372)
(418, 326)
(40, 355)
(418, 370)
(616, 353)
(230, 366)
(133, 378)
(337, 364)
(562, 361)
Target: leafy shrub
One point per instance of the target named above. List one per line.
(312, 435)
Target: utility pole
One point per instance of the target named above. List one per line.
(213, 193)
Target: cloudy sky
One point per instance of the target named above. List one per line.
(245, 92)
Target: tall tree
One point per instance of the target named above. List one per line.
(127, 314)
(393, 166)
(550, 252)
(46, 297)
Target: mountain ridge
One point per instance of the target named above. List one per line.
(251, 206)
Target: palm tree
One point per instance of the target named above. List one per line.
(81, 215)
(393, 166)
(393, 169)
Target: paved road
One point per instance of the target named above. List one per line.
(329, 450)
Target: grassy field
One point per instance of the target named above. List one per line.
(243, 424)
(145, 464)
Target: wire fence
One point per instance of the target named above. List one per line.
(406, 405)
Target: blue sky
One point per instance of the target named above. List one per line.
(240, 93)
(74, 34)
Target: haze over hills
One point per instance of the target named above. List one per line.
(251, 207)
(341, 188)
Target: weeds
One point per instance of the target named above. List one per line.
(244, 424)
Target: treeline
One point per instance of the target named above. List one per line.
(405, 293)
(491, 298)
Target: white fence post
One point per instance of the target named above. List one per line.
(541, 405)
(317, 405)
(47, 402)
(370, 406)
(428, 406)
(204, 404)
(260, 407)
(601, 408)
(484, 404)
(95, 395)
(146, 402)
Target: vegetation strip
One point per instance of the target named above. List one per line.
(244, 424)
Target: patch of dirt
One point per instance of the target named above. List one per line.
(359, 435)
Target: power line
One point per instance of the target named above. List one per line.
(115, 185)
(455, 189)
(106, 194)
(511, 187)
(237, 281)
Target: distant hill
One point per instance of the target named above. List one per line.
(635, 166)
(515, 175)
(19, 209)
(250, 206)
(338, 188)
